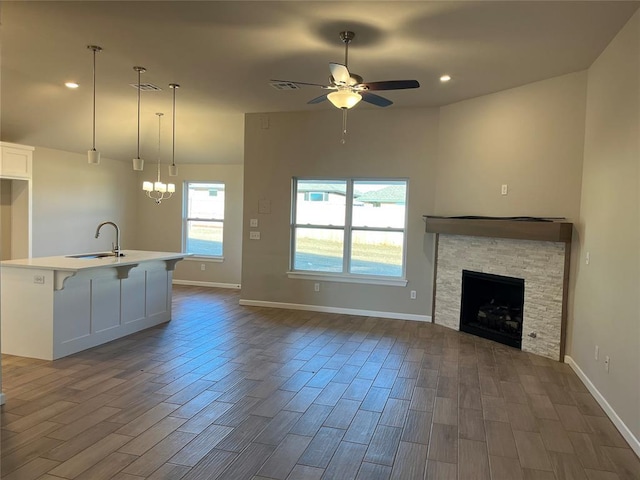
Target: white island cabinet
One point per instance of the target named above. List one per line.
(52, 307)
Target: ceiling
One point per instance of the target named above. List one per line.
(223, 55)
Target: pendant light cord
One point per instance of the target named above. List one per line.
(173, 139)
(138, 113)
(94, 98)
(95, 50)
(159, 130)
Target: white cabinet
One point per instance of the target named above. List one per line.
(15, 200)
(15, 160)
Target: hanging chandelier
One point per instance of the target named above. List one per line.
(157, 190)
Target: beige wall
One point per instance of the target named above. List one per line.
(530, 138)
(607, 312)
(159, 227)
(70, 199)
(391, 143)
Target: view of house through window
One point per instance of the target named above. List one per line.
(349, 226)
(203, 218)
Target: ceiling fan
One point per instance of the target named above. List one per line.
(347, 89)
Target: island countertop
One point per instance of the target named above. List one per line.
(73, 264)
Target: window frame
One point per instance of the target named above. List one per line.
(186, 219)
(348, 228)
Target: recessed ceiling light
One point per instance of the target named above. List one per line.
(71, 85)
(445, 78)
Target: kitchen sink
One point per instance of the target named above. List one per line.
(94, 255)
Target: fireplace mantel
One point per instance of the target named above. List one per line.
(518, 229)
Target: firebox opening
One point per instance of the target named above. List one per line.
(492, 307)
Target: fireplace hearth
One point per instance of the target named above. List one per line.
(491, 307)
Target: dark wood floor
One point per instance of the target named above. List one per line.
(230, 392)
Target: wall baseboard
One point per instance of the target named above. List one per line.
(2, 399)
(608, 409)
(345, 311)
(193, 283)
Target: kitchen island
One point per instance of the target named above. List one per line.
(52, 307)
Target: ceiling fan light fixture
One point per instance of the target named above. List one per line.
(344, 99)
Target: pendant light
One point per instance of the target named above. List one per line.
(173, 170)
(93, 156)
(138, 163)
(157, 190)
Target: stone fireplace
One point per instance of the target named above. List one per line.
(532, 251)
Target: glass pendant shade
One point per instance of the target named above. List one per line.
(138, 164)
(344, 98)
(93, 157)
(173, 171)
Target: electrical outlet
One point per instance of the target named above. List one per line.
(254, 235)
(38, 279)
(202, 266)
(253, 223)
(316, 287)
(413, 295)
(505, 189)
(595, 355)
(606, 364)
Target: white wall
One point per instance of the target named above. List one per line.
(607, 312)
(70, 199)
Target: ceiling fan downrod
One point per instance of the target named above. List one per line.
(346, 38)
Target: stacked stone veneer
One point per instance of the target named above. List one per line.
(540, 264)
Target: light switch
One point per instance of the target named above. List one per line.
(253, 223)
(254, 235)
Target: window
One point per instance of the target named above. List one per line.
(358, 229)
(203, 218)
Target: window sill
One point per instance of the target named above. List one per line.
(329, 277)
(196, 258)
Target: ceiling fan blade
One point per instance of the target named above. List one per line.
(299, 83)
(375, 99)
(340, 73)
(392, 85)
(319, 99)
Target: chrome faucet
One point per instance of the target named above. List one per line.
(115, 246)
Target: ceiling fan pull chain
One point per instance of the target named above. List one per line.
(344, 126)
